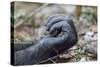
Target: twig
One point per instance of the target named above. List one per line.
(51, 60)
(30, 15)
(47, 59)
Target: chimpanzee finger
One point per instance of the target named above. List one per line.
(53, 20)
(54, 30)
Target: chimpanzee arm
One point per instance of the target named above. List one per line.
(40, 51)
(46, 47)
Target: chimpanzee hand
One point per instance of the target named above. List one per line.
(60, 25)
(56, 23)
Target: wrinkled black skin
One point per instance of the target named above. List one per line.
(50, 45)
(21, 46)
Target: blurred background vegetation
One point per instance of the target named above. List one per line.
(29, 21)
